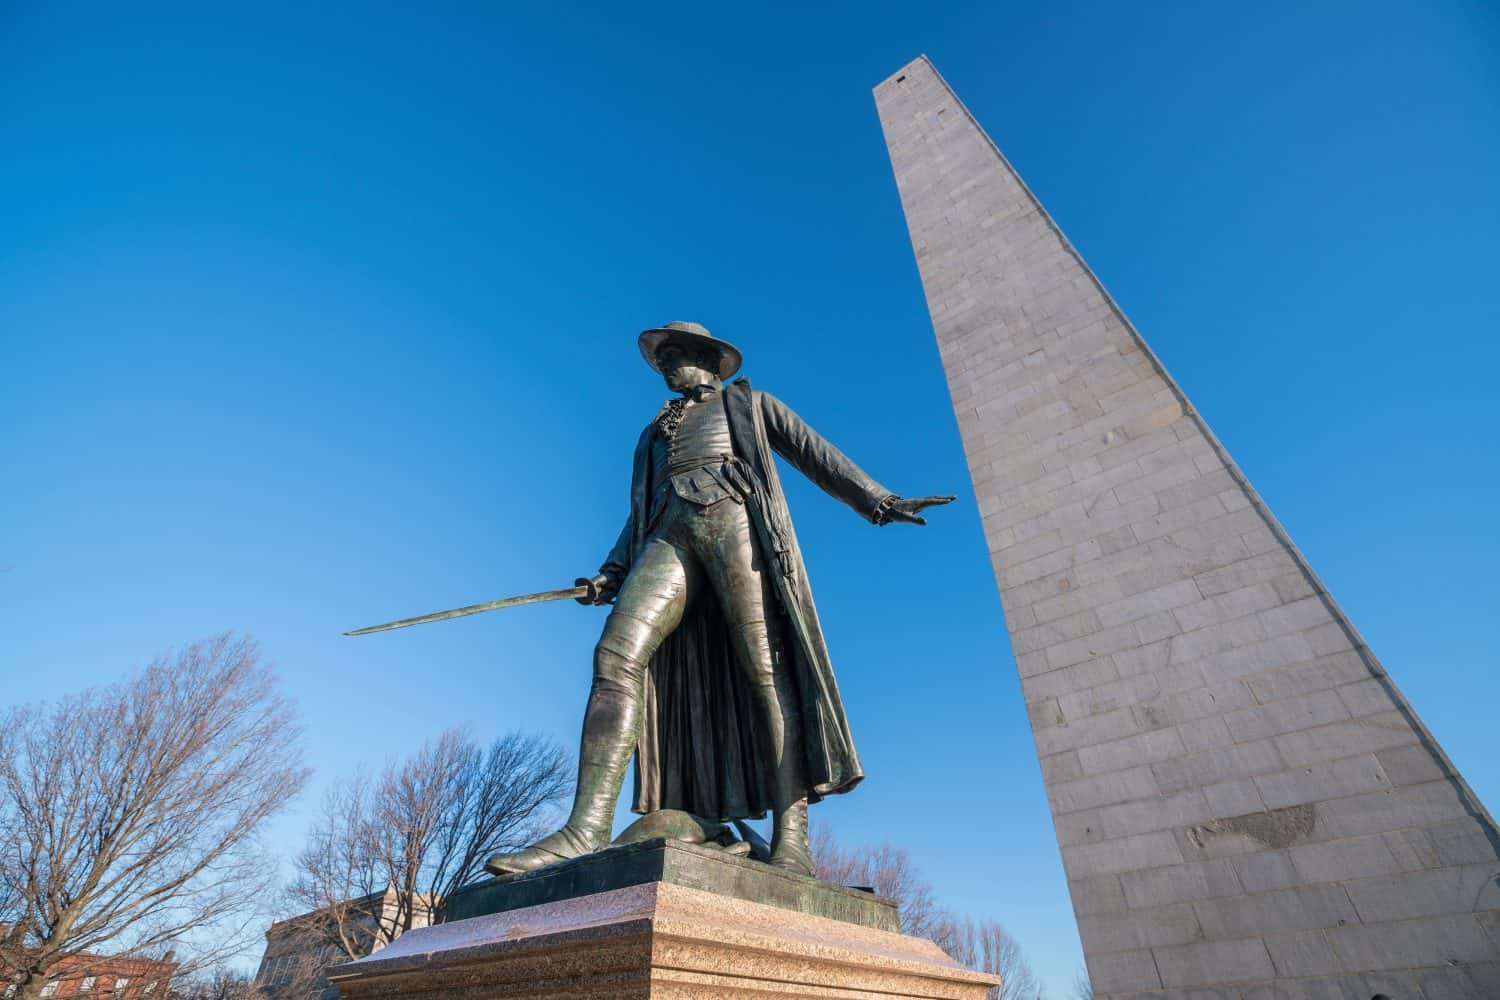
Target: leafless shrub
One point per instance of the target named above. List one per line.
(386, 854)
(129, 812)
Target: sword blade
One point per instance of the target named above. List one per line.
(474, 609)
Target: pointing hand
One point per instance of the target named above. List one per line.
(896, 508)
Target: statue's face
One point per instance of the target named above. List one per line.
(683, 369)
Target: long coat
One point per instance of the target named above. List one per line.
(700, 748)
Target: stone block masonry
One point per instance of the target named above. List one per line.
(1247, 807)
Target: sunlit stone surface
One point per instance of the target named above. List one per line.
(1246, 805)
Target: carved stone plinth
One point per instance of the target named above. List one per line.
(658, 940)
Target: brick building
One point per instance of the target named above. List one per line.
(117, 977)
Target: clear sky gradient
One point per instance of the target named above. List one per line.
(314, 316)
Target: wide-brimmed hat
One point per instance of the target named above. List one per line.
(690, 335)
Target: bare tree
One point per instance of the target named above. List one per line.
(216, 984)
(386, 854)
(336, 874)
(303, 977)
(1083, 988)
(129, 813)
(890, 871)
(987, 946)
(886, 869)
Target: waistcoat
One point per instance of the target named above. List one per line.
(691, 462)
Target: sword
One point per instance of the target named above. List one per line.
(583, 591)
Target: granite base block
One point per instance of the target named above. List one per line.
(654, 940)
(676, 863)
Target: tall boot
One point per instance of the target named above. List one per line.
(588, 827)
(611, 729)
(790, 848)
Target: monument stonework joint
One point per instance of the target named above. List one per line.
(1246, 805)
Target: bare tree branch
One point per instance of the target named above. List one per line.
(890, 871)
(988, 947)
(886, 869)
(130, 812)
(386, 854)
(215, 984)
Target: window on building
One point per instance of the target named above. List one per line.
(150, 988)
(87, 985)
(121, 982)
(49, 990)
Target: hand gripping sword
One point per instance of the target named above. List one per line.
(583, 591)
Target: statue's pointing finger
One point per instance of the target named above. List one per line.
(908, 510)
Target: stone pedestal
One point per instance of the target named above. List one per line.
(743, 930)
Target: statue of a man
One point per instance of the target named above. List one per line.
(712, 668)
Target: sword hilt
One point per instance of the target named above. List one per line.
(592, 588)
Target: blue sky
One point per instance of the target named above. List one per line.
(312, 317)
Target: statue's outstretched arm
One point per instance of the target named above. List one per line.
(834, 472)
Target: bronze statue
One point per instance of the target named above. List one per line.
(712, 670)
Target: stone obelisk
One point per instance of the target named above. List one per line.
(1246, 804)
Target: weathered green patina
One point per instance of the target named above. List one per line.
(712, 671)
